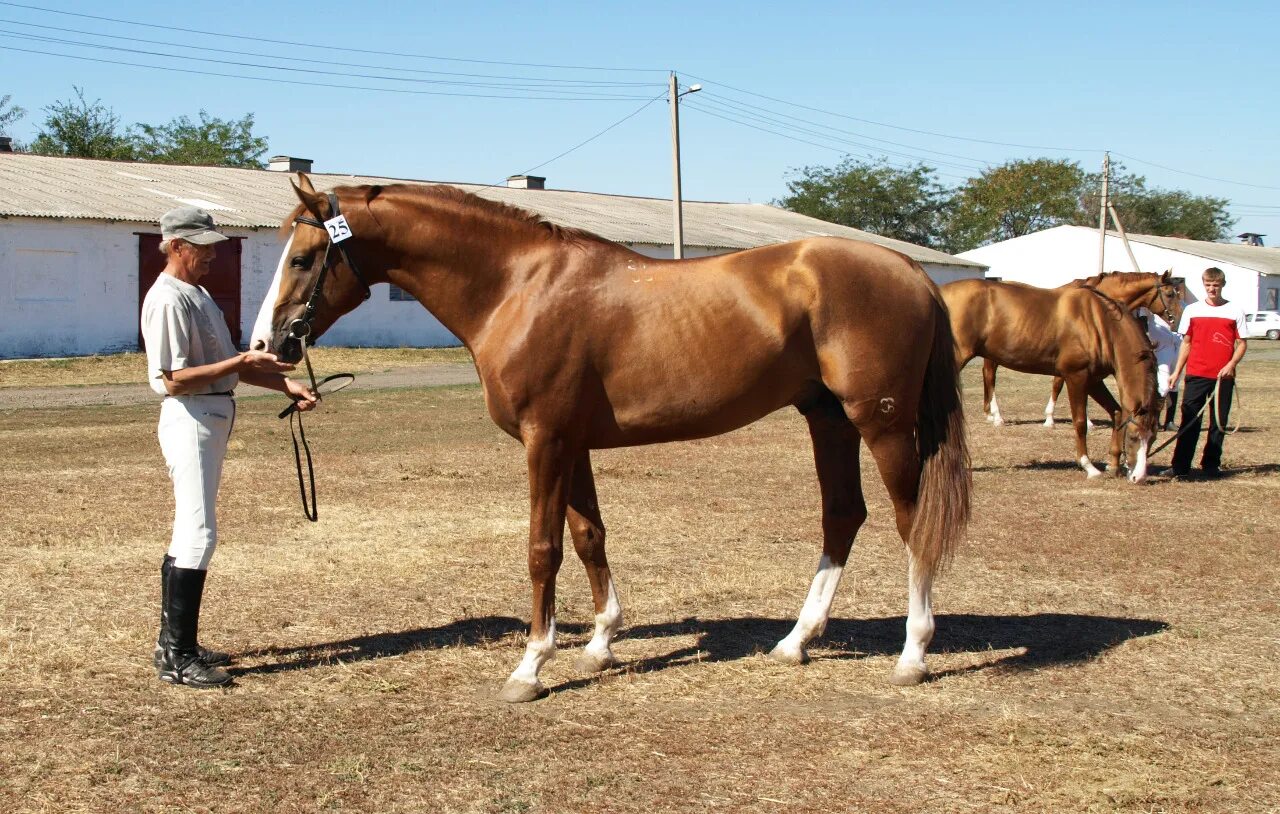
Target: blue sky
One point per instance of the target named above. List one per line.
(1184, 94)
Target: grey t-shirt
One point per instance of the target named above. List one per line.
(183, 327)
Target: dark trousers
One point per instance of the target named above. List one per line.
(1196, 390)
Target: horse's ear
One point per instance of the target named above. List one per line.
(311, 199)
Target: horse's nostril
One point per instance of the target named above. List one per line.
(260, 344)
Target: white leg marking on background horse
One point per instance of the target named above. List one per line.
(607, 624)
(814, 614)
(1048, 412)
(1139, 471)
(996, 419)
(1089, 469)
(911, 668)
(262, 325)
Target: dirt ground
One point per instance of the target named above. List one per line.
(1101, 646)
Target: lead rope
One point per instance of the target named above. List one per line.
(312, 511)
(1216, 402)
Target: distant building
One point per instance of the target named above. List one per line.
(1056, 256)
(79, 237)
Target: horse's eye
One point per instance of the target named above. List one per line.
(298, 262)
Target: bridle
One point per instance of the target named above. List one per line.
(300, 329)
(1165, 306)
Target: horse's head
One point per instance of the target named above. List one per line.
(1141, 403)
(1168, 298)
(315, 281)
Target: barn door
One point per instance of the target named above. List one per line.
(222, 282)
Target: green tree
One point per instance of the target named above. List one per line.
(1156, 211)
(907, 204)
(1015, 199)
(210, 141)
(77, 127)
(9, 114)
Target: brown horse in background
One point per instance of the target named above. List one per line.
(582, 344)
(1159, 293)
(1076, 333)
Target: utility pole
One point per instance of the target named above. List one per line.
(676, 203)
(1102, 214)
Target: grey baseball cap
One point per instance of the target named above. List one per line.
(190, 224)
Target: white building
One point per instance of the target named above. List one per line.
(1056, 256)
(79, 237)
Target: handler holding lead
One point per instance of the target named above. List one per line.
(193, 363)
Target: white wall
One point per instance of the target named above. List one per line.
(1059, 255)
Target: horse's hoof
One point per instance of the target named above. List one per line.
(589, 663)
(784, 655)
(907, 676)
(1048, 422)
(1097, 473)
(518, 692)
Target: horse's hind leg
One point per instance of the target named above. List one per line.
(989, 406)
(899, 463)
(835, 452)
(587, 530)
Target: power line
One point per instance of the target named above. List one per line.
(500, 85)
(171, 69)
(894, 126)
(582, 82)
(1192, 174)
(314, 45)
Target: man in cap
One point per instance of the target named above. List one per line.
(193, 363)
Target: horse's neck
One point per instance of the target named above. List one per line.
(1129, 293)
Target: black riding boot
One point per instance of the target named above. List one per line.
(180, 661)
(213, 658)
(1172, 400)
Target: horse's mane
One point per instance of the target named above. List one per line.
(1125, 276)
(470, 203)
(495, 210)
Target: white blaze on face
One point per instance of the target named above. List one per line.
(262, 325)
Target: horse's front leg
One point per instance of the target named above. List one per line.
(587, 529)
(989, 406)
(1077, 394)
(1103, 396)
(1053, 400)
(550, 470)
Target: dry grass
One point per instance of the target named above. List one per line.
(1101, 646)
(131, 368)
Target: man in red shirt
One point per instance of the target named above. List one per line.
(1212, 345)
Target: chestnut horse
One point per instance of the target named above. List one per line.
(1076, 333)
(582, 344)
(1159, 293)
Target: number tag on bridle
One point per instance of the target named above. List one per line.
(338, 228)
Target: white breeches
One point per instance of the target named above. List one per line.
(1162, 378)
(194, 431)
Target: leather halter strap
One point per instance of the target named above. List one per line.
(309, 312)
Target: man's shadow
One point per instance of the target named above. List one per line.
(1042, 639)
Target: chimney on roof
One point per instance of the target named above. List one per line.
(526, 182)
(1251, 238)
(287, 163)
(6, 144)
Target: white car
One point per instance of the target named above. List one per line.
(1262, 323)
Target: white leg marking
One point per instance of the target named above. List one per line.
(607, 624)
(814, 614)
(911, 667)
(1048, 412)
(1089, 469)
(1139, 471)
(537, 653)
(996, 419)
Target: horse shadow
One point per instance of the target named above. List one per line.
(1041, 639)
(1047, 466)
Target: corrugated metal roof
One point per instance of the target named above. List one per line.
(1258, 258)
(80, 188)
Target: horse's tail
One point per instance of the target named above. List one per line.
(943, 500)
